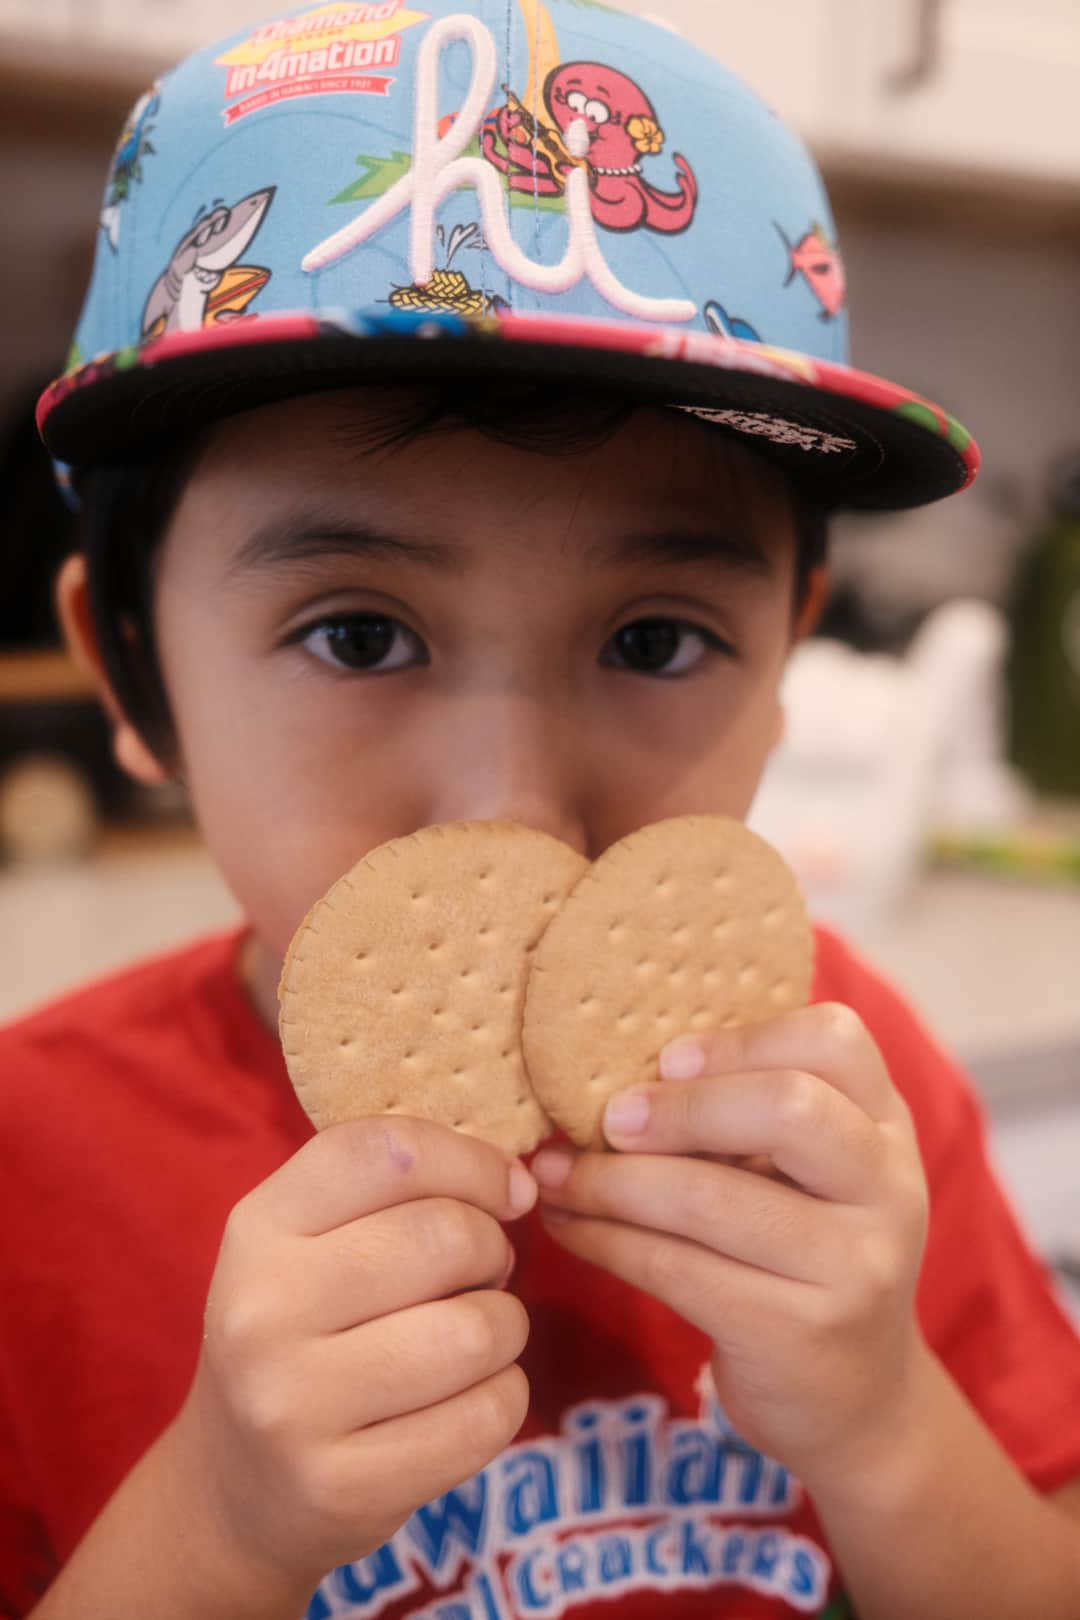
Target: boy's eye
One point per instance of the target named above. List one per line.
(665, 646)
(363, 641)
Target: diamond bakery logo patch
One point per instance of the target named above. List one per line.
(330, 50)
(625, 1499)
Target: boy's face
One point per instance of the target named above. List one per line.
(358, 643)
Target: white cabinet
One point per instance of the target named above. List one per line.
(782, 48)
(985, 85)
(890, 86)
(170, 29)
(1034, 1150)
(129, 36)
(39, 21)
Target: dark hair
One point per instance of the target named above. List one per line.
(127, 511)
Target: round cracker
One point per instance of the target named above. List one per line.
(688, 926)
(404, 988)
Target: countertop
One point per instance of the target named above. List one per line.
(991, 964)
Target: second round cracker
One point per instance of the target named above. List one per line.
(403, 990)
(688, 926)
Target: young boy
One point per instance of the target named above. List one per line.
(437, 465)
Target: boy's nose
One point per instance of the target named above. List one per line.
(515, 768)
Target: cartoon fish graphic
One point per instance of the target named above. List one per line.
(238, 286)
(722, 324)
(203, 283)
(818, 259)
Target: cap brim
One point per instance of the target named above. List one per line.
(855, 440)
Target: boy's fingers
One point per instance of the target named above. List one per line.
(413, 1360)
(812, 1133)
(424, 1454)
(397, 1258)
(726, 1210)
(827, 1039)
(352, 1170)
(701, 1286)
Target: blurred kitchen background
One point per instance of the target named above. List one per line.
(928, 792)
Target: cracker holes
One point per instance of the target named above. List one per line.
(586, 1002)
(436, 946)
(721, 930)
(506, 989)
(550, 901)
(779, 993)
(681, 936)
(749, 976)
(597, 1080)
(465, 975)
(644, 967)
(361, 956)
(773, 917)
(397, 990)
(626, 1019)
(677, 978)
(617, 931)
(722, 882)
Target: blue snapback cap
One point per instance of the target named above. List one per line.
(548, 190)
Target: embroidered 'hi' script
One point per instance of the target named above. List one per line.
(439, 169)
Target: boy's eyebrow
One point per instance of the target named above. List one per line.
(739, 553)
(285, 541)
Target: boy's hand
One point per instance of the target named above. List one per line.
(789, 1228)
(359, 1356)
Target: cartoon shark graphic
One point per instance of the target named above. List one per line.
(203, 283)
(818, 259)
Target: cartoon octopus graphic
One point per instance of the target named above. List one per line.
(622, 129)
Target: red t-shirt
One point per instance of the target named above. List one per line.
(134, 1114)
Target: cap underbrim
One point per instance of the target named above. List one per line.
(854, 440)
